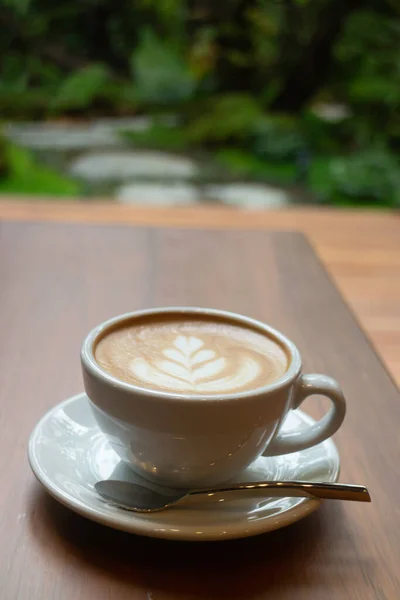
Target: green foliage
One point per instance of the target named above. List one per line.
(170, 16)
(161, 75)
(159, 136)
(244, 164)
(81, 88)
(278, 137)
(224, 68)
(21, 174)
(368, 71)
(225, 118)
(17, 96)
(371, 178)
(15, 103)
(20, 6)
(324, 137)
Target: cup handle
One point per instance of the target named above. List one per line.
(307, 385)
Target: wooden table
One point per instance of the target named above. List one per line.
(58, 280)
(360, 249)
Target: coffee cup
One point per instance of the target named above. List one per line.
(189, 397)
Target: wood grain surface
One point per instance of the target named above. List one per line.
(360, 248)
(59, 280)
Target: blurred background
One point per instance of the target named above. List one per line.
(252, 103)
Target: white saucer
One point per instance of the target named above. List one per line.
(68, 454)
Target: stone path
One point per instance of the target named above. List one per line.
(60, 136)
(123, 165)
(98, 155)
(248, 194)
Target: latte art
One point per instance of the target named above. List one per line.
(195, 357)
(188, 366)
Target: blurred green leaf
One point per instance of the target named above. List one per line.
(20, 6)
(223, 118)
(158, 137)
(14, 75)
(161, 75)
(375, 89)
(31, 103)
(123, 95)
(244, 164)
(278, 137)
(202, 52)
(24, 175)
(324, 136)
(170, 14)
(368, 75)
(369, 177)
(81, 88)
(320, 179)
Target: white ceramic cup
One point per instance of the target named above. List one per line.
(183, 440)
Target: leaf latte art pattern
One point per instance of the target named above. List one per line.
(189, 366)
(191, 356)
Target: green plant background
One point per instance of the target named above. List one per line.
(244, 77)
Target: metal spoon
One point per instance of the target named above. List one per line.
(138, 498)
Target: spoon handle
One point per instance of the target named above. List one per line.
(329, 491)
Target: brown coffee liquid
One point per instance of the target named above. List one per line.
(194, 356)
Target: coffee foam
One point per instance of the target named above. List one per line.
(191, 356)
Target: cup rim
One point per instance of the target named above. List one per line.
(89, 362)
